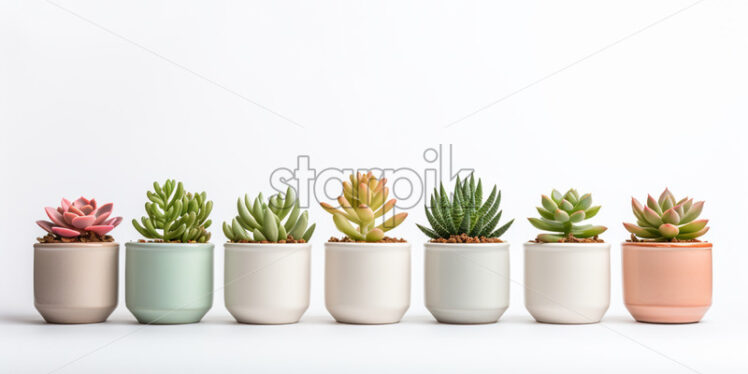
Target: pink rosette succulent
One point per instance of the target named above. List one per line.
(74, 219)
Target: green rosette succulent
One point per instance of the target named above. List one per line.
(464, 212)
(175, 215)
(277, 220)
(561, 214)
(667, 219)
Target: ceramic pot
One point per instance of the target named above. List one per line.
(567, 282)
(667, 282)
(267, 283)
(75, 282)
(467, 283)
(367, 283)
(168, 283)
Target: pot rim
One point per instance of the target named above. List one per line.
(564, 246)
(154, 245)
(367, 244)
(673, 245)
(265, 245)
(464, 246)
(76, 244)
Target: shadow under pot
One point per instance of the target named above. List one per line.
(667, 282)
(168, 283)
(467, 283)
(75, 282)
(567, 283)
(267, 283)
(367, 283)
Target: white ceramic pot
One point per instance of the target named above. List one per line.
(567, 282)
(367, 283)
(467, 283)
(267, 283)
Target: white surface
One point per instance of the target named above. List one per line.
(604, 98)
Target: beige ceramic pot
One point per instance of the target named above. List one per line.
(667, 282)
(75, 282)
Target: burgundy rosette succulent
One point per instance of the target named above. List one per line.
(82, 216)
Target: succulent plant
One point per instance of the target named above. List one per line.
(175, 215)
(362, 202)
(259, 221)
(71, 220)
(561, 214)
(464, 212)
(667, 219)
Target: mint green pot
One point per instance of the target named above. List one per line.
(168, 283)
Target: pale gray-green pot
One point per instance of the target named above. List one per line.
(168, 283)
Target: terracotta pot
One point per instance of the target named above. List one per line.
(75, 282)
(467, 283)
(567, 282)
(667, 282)
(367, 283)
(267, 283)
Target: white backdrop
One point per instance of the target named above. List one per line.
(614, 98)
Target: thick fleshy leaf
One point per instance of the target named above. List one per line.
(566, 206)
(588, 232)
(557, 196)
(82, 201)
(114, 221)
(75, 210)
(100, 229)
(104, 209)
(65, 204)
(46, 225)
(652, 217)
(693, 226)
(550, 238)
(65, 232)
(548, 204)
(55, 216)
(100, 218)
(69, 217)
(693, 235)
(577, 216)
(591, 212)
(668, 231)
(671, 216)
(87, 209)
(666, 199)
(652, 204)
(637, 208)
(560, 216)
(693, 212)
(83, 222)
(374, 235)
(640, 232)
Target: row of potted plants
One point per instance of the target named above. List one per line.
(667, 271)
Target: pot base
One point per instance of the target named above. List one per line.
(466, 316)
(168, 317)
(73, 315)
(667, 314)
(567, 317)
(368, 316)
(264, 316)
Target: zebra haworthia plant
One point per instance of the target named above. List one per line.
(362, 202)
(175, 215)
(666, 219)
(560, 214)
(464, 212)
(259, 221)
